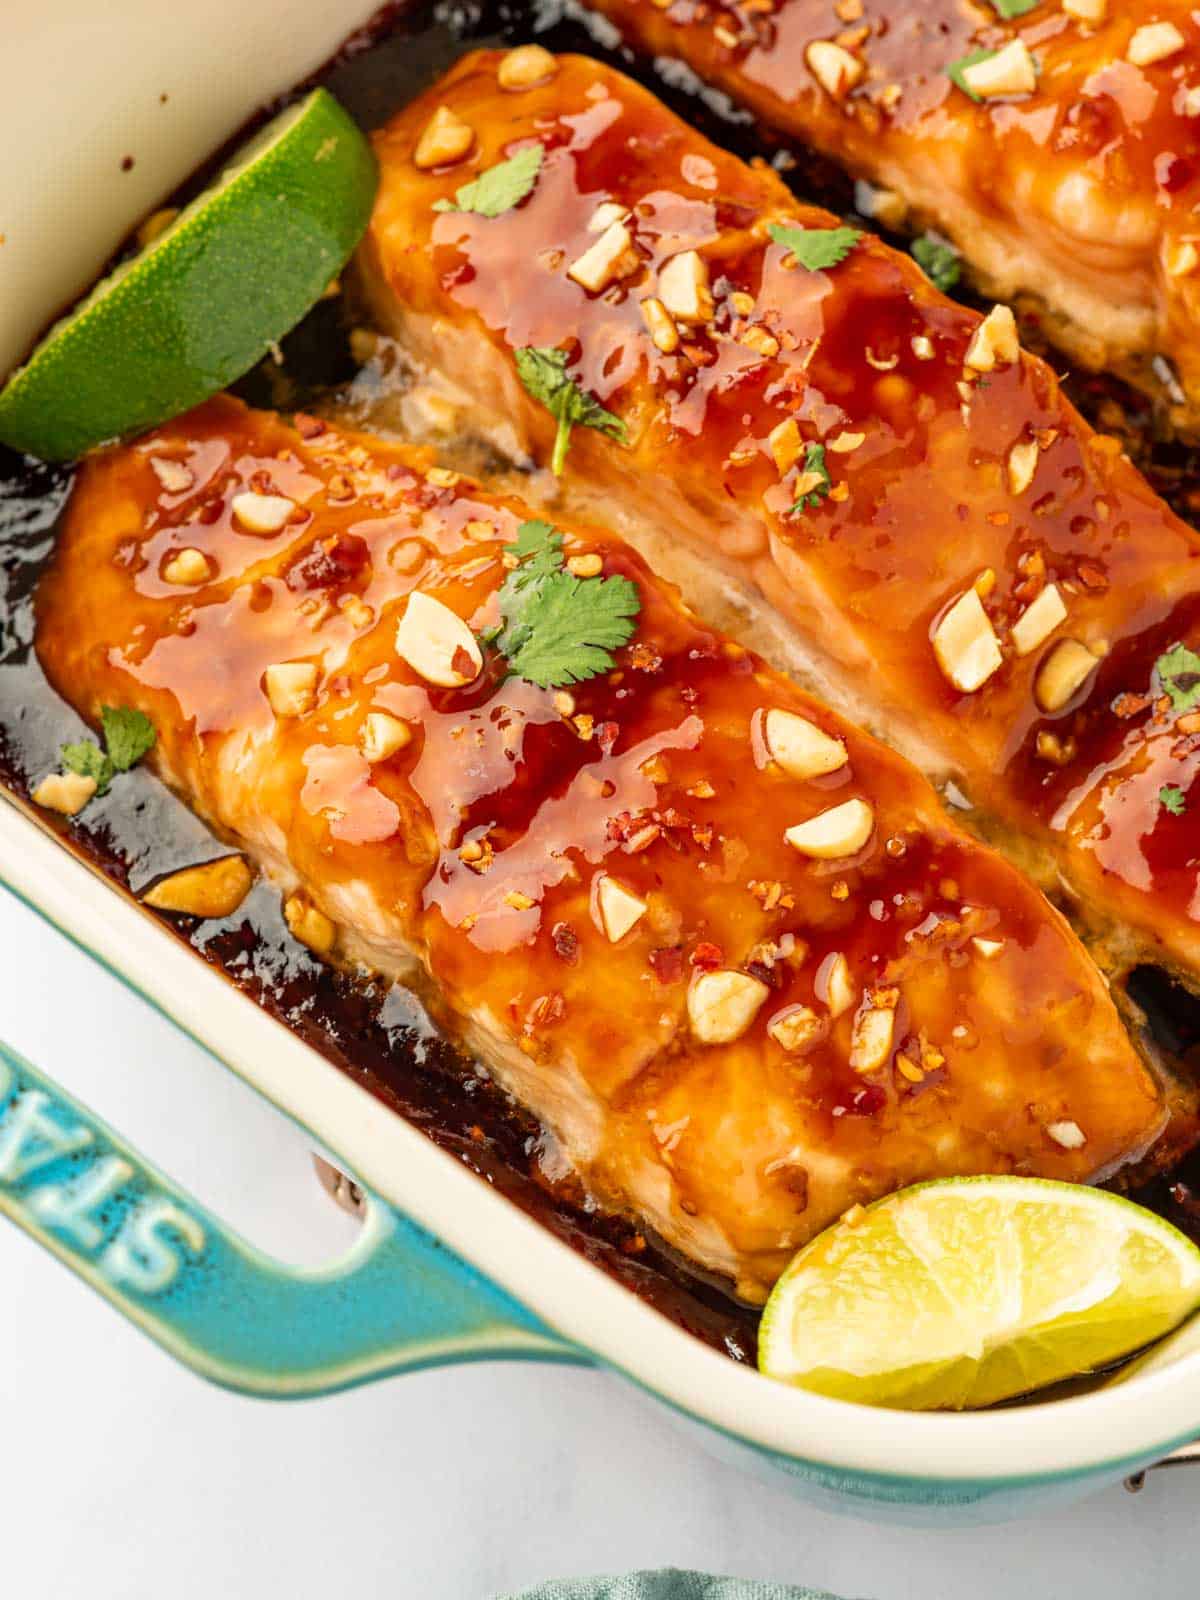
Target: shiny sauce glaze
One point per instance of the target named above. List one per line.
(1078, 179)
(730, 950)
(956, 471)
(380, 1035)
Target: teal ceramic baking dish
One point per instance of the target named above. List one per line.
(445, 1270)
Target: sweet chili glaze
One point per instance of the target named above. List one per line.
(479, 848)
(945, 477)
(1081, 190)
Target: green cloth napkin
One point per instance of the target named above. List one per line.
(669, 1584)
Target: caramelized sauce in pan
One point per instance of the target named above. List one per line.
(383, 1036)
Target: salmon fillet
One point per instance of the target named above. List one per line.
(957, 559)
(1073, 179)
(732, 1037)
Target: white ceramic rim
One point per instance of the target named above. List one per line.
(1063, 1437)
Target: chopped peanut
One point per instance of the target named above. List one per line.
(605, 214)
(291, 687)
(437, 644)
(1067, 1134)
(965, 644)
(610, 258)
(175, 477)
(186, 567)
(262, 513)
(381, 735)
(588, 566)
(785, 445)
(1038, 620)
(758, 339)
(312, 927)
(795, 1028)
(213, 889)
(799, 747)
(722, 1004)
(1086, 10)
(995, 342)
(1010, 71)
(835, 69)
(1062, 674)
(64, 792)
(660, 325)
(1022, 465)
(871, 1041)
(833, 984)
(445, 140)
(1154, 42)
(843, 443)
(840, 831)
(683, 288)
(615, 909)
(526, 67)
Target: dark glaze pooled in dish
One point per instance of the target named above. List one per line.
(951, 1023)
(1075, 180)
(960, 478)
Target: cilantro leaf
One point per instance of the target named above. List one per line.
(1179, 674)
(814, 462)
(1171, 799)
(955, 70)
(555, 628)
(938, 260)
(128, 734)
(501, 187)
(543, 372)
(89, 761)
(538, 550)
(816, 248)
(572, 626)
(1009, 9)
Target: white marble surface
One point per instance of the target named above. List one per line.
(124, 1478)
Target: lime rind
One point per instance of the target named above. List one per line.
(208, 297)
(963, 1292)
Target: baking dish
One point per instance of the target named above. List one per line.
(402, 1299)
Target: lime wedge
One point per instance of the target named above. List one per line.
(205, 300)
(971, 1290)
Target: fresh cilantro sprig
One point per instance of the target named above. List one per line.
(938, 260)
(814, 462)
(1178, 672)
(544, 375)
(555, 628)
(816, 248)
(501, 187)
(1172, 799)
(128, 735)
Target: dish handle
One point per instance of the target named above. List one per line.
(396, 1302)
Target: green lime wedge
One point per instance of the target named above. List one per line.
(206, 299)
(971, 1290)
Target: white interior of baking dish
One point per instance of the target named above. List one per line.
(103, 111)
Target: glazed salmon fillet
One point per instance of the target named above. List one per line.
(955, 558)
(730, 950)
(1063, 161)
